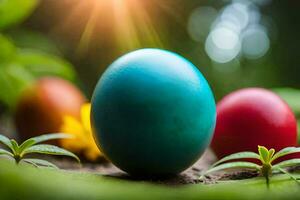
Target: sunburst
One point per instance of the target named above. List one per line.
(129, 23)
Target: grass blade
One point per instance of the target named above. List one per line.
(285, 151)
(4, 152)
(6, 141)
(49, 149)
(287, 163)
(39, 162)
(235, 156)
(245, 165)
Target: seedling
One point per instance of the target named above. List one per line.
(32, 146)
(266, 158)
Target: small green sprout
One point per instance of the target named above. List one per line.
(266, 158)
(32, 146)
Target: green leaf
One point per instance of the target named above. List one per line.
(43, 64)
(271, 154)
(39, 162)
(27, 39)
(287, 163)
(287, 173)
(264, 154)
(4, 152)
(7, 49)
(47, 137)
(26, 144)
(247, 165)
(235, 156)
(42, 138)
(14, 78)
(6, 141)
(298, 134)
(285, 151)
(49, 149)
(15, 146)
(15, 11)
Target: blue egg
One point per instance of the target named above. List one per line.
(153, 113)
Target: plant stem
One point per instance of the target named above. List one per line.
(17, 159)
(267, 181)
(266, 171)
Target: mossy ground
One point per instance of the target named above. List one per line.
(24, 182)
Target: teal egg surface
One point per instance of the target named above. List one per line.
(153, 113)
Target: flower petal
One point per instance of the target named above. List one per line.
(85, 116)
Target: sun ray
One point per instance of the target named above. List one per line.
(88, 31)
(172, 10)
(147, 27)
(125, 32)
(123, 25)
(73, 14)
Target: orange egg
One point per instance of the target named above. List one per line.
(42, 106)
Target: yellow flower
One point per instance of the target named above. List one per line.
(83, 141)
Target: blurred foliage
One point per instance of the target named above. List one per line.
(7, 49)
(13, 79)
(24, 38)
(25, 55)
(43, 64)
(13, 12)
(292, 98)
(21, 182)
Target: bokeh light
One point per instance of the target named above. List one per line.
(255, 43)
(238, 30)
(236, 13)
(222, 44)
(200, 22)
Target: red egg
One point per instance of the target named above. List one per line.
(251, 117)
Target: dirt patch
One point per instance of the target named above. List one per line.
(190, 176)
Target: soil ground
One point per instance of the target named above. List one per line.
(189, 176)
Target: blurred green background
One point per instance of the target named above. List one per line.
(235, 44)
